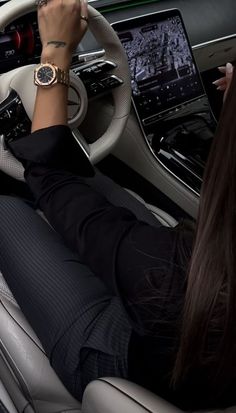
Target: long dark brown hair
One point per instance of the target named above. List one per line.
(209, 315)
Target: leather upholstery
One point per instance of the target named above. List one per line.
(26, 359)
(31, 382)
(130, 398)
(114, 395)
(5, 399)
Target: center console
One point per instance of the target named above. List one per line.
(168, 94)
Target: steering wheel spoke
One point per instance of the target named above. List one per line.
(13, 118)
(85, 147)
(8, 102)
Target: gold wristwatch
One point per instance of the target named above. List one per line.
(48, 74)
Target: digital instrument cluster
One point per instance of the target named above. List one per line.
(20, 43)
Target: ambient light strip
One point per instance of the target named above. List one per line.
(122, 6)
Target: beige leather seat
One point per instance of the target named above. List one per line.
(24, 367)
(5, 399)
(29, 384)
(114, 395)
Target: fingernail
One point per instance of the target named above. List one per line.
(222, 69)
(229, 68)
(215, 82)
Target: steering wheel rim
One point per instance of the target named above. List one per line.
(114, 52)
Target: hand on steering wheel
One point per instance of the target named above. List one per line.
(20, 80)
(61, 26)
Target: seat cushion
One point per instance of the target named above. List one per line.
(26, 359)
(6, 292)
(5, 400)
(115, 395)
(165, 219)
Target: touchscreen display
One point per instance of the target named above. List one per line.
(163, 71)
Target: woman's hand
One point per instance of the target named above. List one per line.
(224, 82)
(61, 29)
(62, 24)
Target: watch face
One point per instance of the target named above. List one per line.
(45, 75)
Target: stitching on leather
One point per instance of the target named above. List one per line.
(127, 395)
(19, 325)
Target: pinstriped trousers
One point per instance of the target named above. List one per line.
(81, 325)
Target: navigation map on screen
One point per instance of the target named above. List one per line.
(163, 72)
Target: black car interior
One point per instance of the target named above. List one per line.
(173, 118)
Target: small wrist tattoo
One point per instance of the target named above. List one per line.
(56, 44)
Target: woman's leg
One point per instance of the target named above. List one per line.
(59, 296)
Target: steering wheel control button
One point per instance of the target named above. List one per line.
(111, 82)
(96, 77)
(104, 85)
(95, 88)
(13, 118)
(94, 69)
(106, 66)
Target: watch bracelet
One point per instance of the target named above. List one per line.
(63, 76)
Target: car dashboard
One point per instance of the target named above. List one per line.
(213, 40)
(160, 157)
(20, 42)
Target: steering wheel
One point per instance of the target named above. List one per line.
(20, 80)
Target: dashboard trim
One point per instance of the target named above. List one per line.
(220, 39)
(158, 160)
(218, 49)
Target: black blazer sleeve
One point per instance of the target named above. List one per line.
(132, 258)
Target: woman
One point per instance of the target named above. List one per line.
(129, 302)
